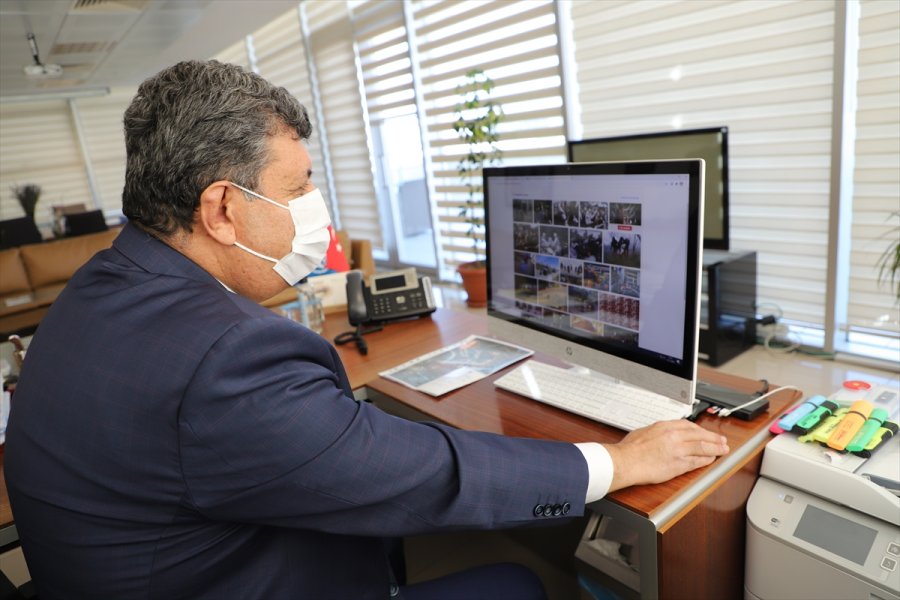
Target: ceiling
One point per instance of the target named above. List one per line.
(110, 43)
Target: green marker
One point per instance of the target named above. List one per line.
(823, 411)
(865, 433)
(883, 434)
(824, 429)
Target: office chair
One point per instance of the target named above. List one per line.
(18, 232)
(83, 223)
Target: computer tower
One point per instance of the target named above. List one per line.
(728, 305)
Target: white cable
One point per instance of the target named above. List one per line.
(727, 411)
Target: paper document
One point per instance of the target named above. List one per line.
(457, 365)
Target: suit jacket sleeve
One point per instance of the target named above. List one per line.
(270, 434)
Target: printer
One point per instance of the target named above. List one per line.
(823, 524)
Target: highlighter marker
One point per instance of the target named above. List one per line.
(865, 433)
(790, 419)
(821, 432)
(883, 434)
(849, 425)
(775, 428)
(821, 412)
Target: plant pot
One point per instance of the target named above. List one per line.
(474, 280)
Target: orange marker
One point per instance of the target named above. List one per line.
(849, 425)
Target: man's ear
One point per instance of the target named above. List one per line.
(214, 214)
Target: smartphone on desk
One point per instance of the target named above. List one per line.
(388, 296)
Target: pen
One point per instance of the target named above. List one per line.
(826, 409)
(791, 419)
(865, 433)
(849, 425)
(883, 434)
(821, 432)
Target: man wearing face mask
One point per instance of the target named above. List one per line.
(170, 438)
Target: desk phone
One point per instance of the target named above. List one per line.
(388, 296)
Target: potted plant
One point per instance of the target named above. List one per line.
(28, 196)
(889, 263)
(477, 117)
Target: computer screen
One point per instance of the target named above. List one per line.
(599, 264)
(710, 144)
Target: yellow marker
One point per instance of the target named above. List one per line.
(824, 428)
(849, 425)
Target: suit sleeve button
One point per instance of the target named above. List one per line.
(557, 510)
(538, 510)
(548, 510)
(566, 508)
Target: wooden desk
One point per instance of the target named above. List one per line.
(691, 528)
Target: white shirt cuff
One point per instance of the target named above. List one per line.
(600, 470)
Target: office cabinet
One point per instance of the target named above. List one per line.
(728, 305)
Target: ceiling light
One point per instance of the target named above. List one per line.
(43, 71)
(39, 70)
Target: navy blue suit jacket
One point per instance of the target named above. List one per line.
(171, 439)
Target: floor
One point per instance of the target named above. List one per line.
(549, 551)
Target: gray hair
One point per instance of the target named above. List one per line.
(195, 123)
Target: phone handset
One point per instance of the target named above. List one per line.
(357, 311)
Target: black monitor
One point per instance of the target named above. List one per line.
(599, 265)
(710, 144)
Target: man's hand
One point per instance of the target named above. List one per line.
(662, 451)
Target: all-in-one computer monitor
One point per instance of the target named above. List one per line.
(710, 144)
(599, 265)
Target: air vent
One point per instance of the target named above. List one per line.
(95, 6)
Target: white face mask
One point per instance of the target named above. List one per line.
(311, 237)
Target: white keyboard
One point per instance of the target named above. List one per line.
(613, 403)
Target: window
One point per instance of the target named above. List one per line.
(768, 71)
(379, 29)
(516, 45)
(872, 311)
(342, 118)
(27, 157)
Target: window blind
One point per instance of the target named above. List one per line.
(876, 181)
(40, 146)
(516, 45)
(280, 57)
(104, 138)
(331, 44)
(764, 69)
(380, 34)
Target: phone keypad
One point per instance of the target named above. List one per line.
(389, 305)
